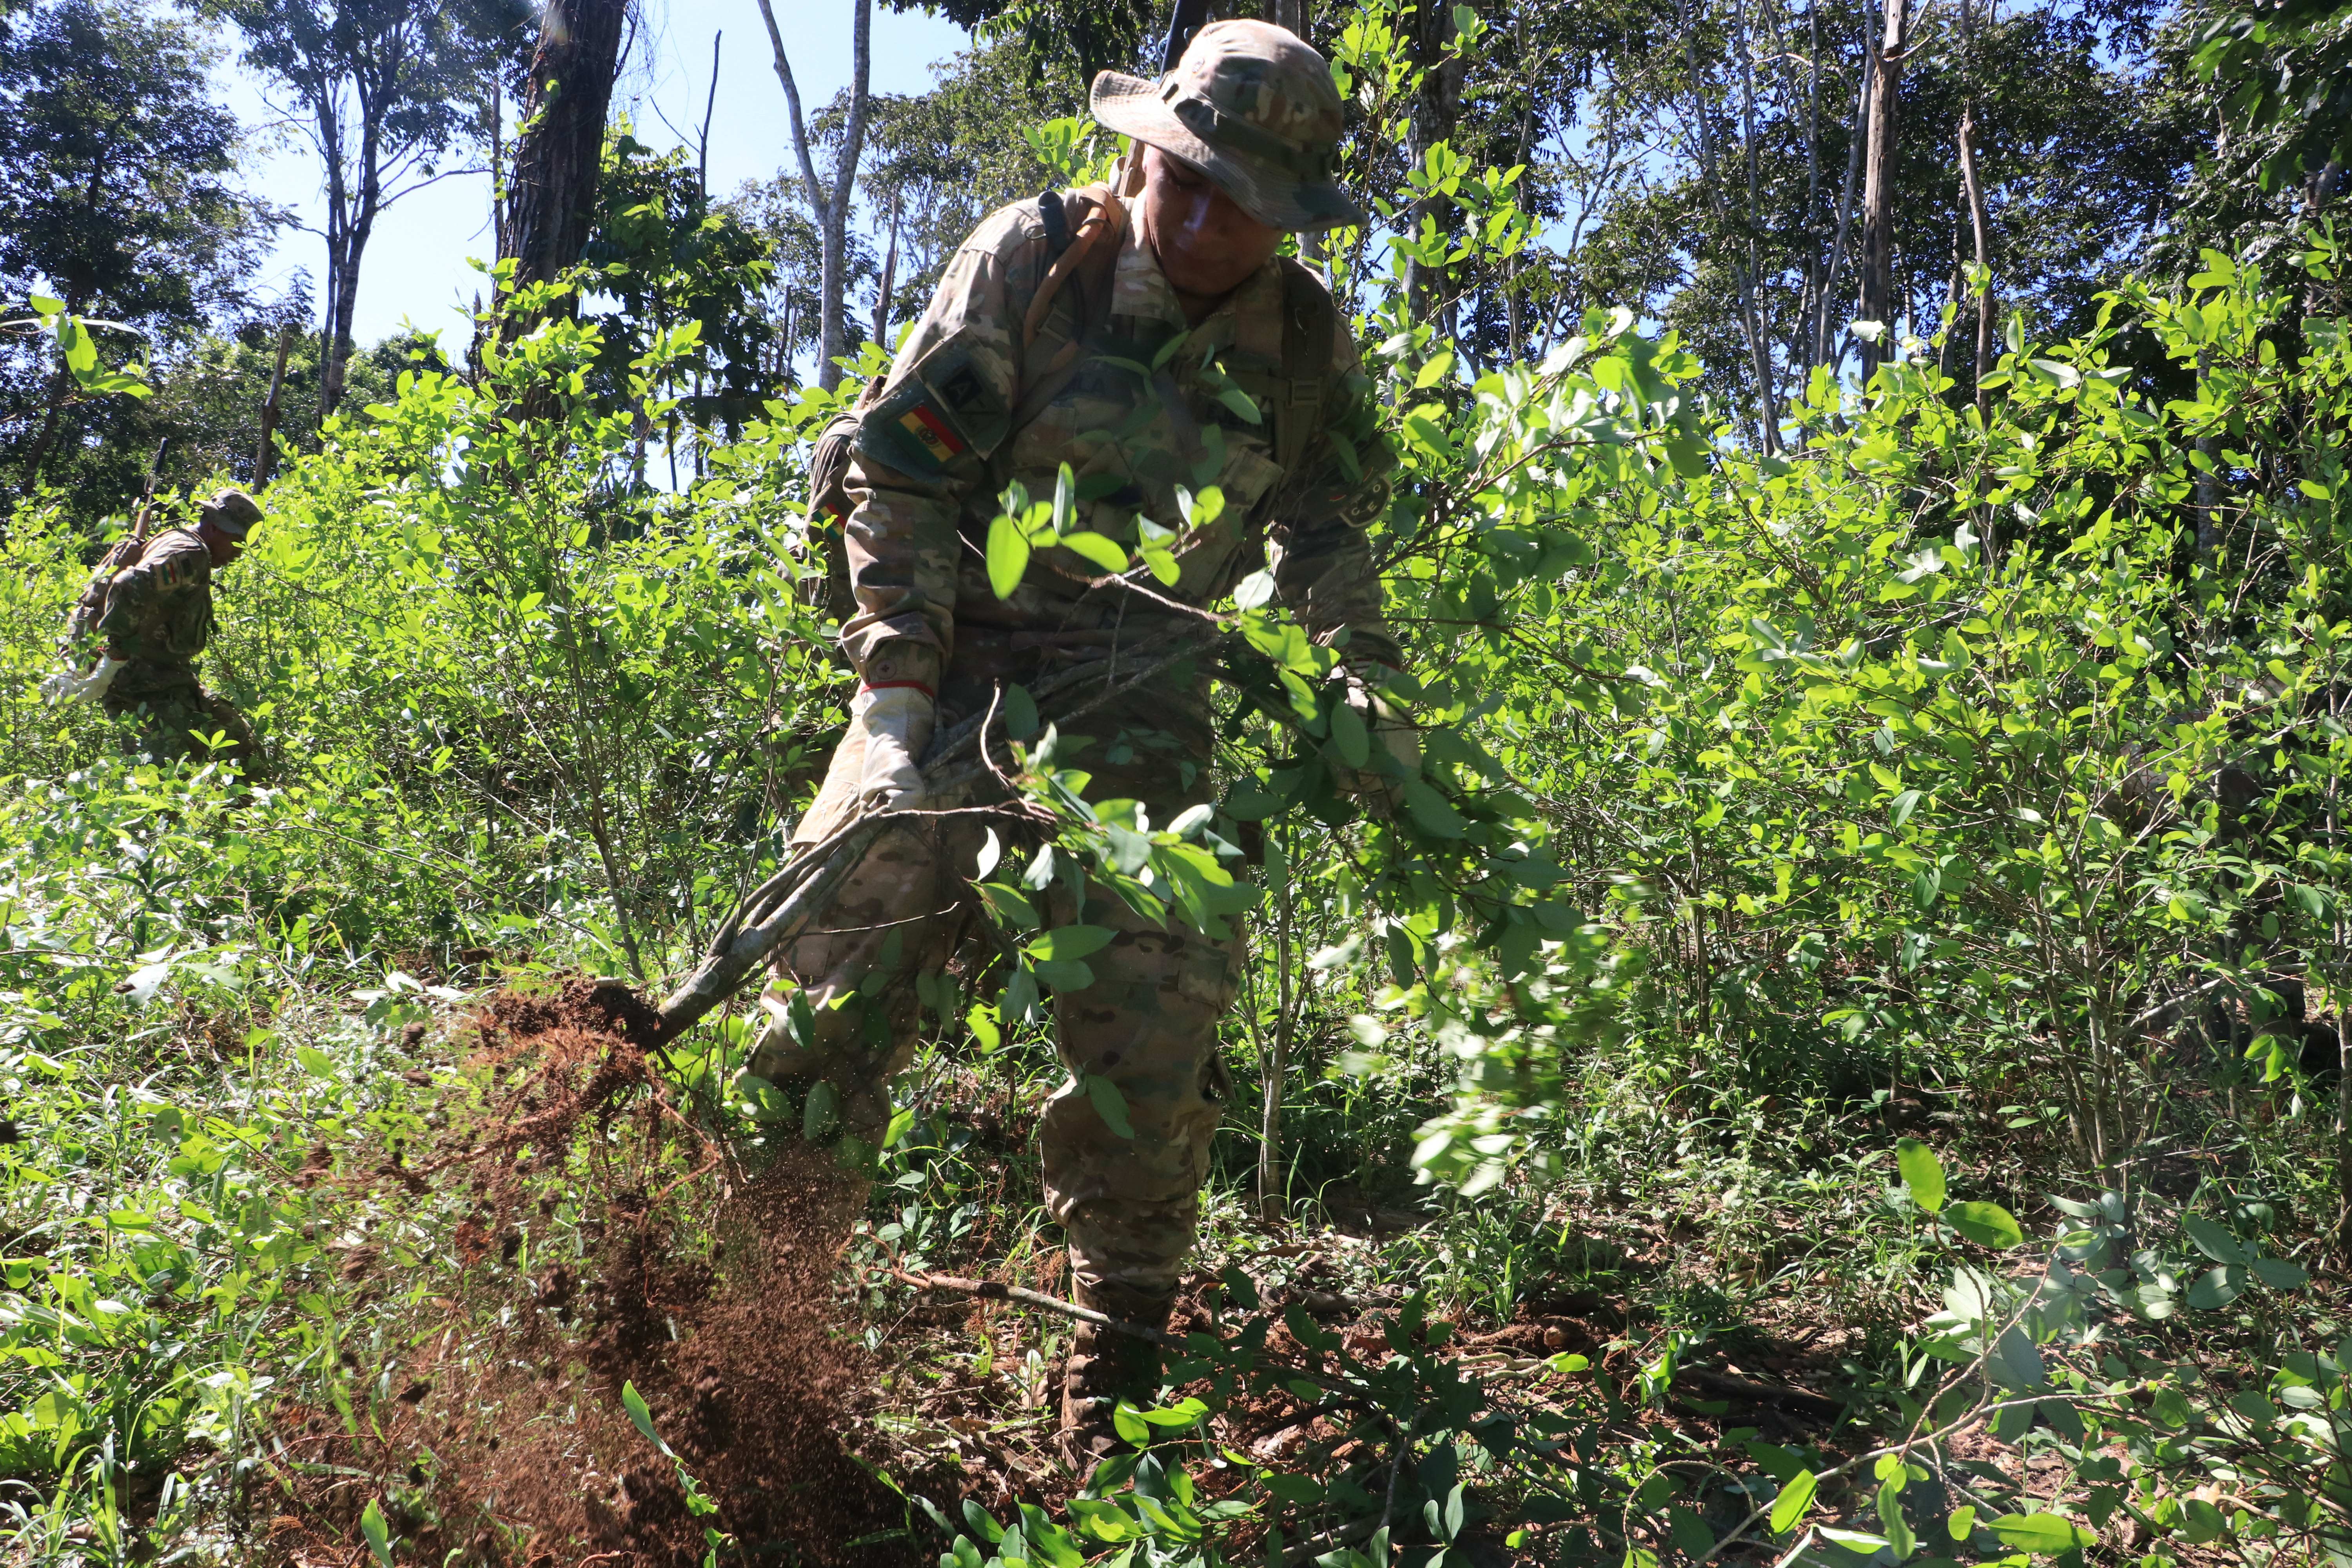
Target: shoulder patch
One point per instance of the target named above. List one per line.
(942, 407)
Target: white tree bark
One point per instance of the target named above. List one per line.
(830, 201)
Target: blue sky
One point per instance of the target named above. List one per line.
(417, 265)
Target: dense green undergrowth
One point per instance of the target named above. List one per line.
(1872, 917)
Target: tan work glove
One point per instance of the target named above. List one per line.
(1395, 748)
(896, 709)
(73, 685)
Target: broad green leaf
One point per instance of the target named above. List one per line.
(1008, 556)
(2278, 1274)
(1988, 1225)
(817, 1115)
(378, 1533)
(2217, 1287)
(1071, 941)
(1923, 1173)
(1109, 1104)
(1065, 973)
(315, 1062)
(1432, 812)
(1349, 734)
(1102, 552)
(1182, 1415)
(1794, 1499)
(2215, 1241)
(634, 1403)
(1899, 1539)
(2043, 1534)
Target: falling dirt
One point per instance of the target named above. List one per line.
(499, 1433)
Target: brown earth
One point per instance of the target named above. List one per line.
(499, 1431)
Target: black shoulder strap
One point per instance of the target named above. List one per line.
(1310, 327)
(1058, 223)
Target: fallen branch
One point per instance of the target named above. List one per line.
(1722, 1387)
(994, 1290)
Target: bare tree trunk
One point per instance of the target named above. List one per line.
(265, 451)
(501, 233)
(831, 207)
(551, 201)
(1982, 231)
(330, 150)
(1878, 195)
(1972, 187)
(1436, 107)
(1290, 14)
(1855, 138)
(1276, 1067)
(1759, 352)
(357, 226)
(709, 107)
(889, 279)
(61, 384)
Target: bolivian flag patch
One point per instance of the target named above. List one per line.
(934, 413)
(938, 437)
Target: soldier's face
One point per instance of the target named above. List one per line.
(223, 548)
(1207, 244)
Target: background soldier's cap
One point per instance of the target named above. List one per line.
(232, 511)
(1251, 107)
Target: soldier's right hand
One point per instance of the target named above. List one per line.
(74, 686)
(895, 710)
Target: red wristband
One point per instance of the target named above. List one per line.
(890, 685)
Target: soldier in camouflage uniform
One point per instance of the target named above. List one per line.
(155, 615)
(1013, 371)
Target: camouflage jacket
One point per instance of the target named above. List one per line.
(159, 609)
(1136, 420)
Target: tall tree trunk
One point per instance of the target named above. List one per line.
(357, 224)
(265, 452)
(551, 201)
(344, 306)
(1982, 232)
(830, 205)
(1973, 188)
(1878, 195)
(1290, 14)
(889, 279)
(1436, 108)
(1824, 301)
(1743, 277)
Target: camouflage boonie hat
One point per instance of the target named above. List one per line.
(1253, 108)
(230, 511)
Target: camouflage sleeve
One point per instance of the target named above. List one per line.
(1322, 560)
(924, 443)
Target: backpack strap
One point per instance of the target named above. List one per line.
(1310, 327)
(1085, 256)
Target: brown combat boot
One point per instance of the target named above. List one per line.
(1105, 1366)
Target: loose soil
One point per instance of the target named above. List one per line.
(499, 1431)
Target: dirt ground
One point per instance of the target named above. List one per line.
(803, 1419)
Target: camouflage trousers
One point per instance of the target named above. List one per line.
(1148, 1023)
(172, 709)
